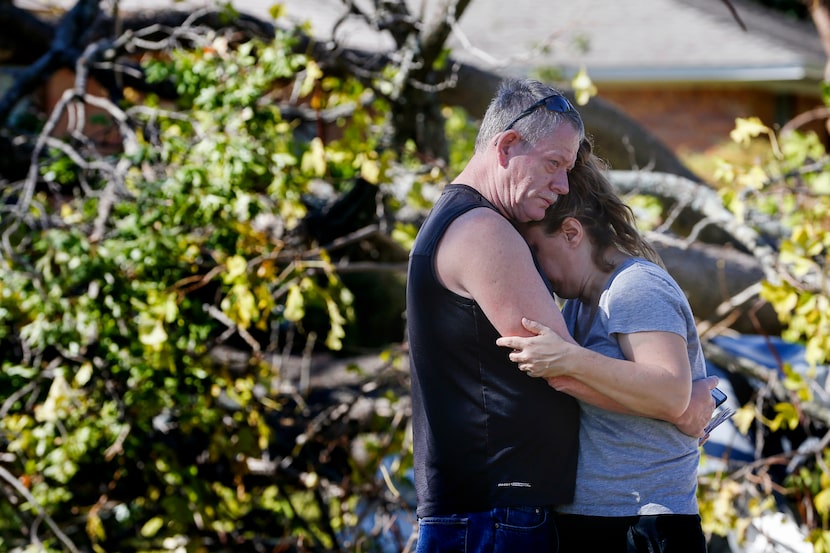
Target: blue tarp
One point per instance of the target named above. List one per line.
(765, 351)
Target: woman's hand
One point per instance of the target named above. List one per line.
(701, 406)
(542, 355)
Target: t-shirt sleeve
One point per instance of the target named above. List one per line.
(644, 298)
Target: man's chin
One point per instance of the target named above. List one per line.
(539, 215)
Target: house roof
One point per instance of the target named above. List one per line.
(621, 41)
(677, 40)
(618, 41)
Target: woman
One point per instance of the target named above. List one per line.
(637, 476)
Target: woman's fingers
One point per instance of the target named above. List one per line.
(512, 342)
(505, 341)
(534, 326)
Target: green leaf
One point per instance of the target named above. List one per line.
(822, 502)
(294, 304)
(786, 413)
(152, 527)
(314, 160)
(743, 418)
(584, 88)
(746, 129)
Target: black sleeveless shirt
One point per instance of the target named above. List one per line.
(485, 434)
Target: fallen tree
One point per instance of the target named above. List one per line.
(175, 305)
(84, 41)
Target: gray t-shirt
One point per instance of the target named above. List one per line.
(631, 465)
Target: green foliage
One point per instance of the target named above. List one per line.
(786, 189)
(790, 187)
(463, 138)
(120, 419)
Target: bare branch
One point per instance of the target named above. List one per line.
(702, 200)
(19, 488)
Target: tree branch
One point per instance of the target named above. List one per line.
(19, 488)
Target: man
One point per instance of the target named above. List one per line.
(496, 450)
(493, 448)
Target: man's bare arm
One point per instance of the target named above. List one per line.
(483, 257)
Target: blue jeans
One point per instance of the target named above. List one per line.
(501, 530)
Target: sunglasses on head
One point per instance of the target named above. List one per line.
(554, 102)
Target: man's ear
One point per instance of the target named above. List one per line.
(505, 142)
(573, 231)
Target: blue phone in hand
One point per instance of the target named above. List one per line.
(718, 396)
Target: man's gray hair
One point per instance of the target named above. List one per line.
(512, 98)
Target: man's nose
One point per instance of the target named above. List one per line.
(560, 183)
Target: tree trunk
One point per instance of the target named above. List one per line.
(721, 284)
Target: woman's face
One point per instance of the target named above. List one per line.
(557, 259)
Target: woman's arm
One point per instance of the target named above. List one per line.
(656, 381)
(692, 421)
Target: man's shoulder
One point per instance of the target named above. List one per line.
(480, 229)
